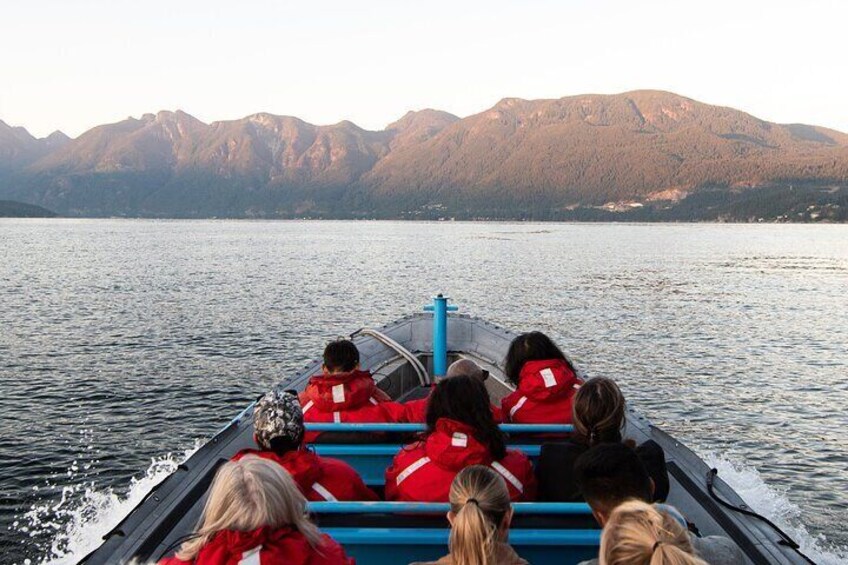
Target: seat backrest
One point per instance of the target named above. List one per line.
(403, 532)
(376, 546)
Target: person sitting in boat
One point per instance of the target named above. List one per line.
(415, 411)
(460, 432)
(638, 533)
(256, 514)
(610, 474)
(598, 417)
(344, 393)
(545, 382)
(480, 514)
(278, 431)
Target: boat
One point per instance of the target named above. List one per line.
(403, 357)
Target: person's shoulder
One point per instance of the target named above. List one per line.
(717, 550)
(173, 561)
(336, 466)
(589, 562)
(446, 560)
(331, 553)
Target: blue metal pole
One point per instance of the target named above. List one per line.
(440, 310)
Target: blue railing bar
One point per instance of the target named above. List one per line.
(239, 417)
(382, 507)
(508, 428)
(334, 449)
(433, 536)
(440, 311)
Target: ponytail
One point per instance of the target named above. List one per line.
(479, 503)
(473, 536)
(639, 534)
(598, 412)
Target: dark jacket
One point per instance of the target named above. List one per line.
(555, 470)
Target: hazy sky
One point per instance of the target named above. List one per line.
(74, 64)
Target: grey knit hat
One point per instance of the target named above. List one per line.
(277, 415)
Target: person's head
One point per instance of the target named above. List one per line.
(480, 514)
(340, 356)
(278, 422)
(610, 473)
(466, 400)
(468, 368)
(246, 495)
(639, 534)
(598, 412)
(532, 346)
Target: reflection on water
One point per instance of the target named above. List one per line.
(124, 340)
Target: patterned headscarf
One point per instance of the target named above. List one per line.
(277, 415)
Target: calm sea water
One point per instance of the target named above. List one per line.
(124, 342)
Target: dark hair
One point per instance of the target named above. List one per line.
(465, 399)
(610, 473)
(598, 412)
(282, 445)
(532, 346)
(341, 355)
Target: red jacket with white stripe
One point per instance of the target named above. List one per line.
(415, 411)
(283, 546)
(545, 394)
(347, 397)
(319, 478)
(423, 471)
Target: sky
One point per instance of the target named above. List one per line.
(75, 64)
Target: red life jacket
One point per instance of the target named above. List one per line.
(415, 411)
(346, 397)
(283, 546)
(544, 395)
(423, 471)
(319, 478)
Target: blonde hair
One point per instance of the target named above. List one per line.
(640, 534)
(246, 495)
(598, 412)
(479, 501)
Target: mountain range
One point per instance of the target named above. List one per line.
(642, 155)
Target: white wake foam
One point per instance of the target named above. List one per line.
(772, 503)
(84, 514)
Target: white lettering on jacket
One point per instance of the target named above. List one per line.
(548, 377)
(517, 406)
(322, 490)
(508, 476)
(338, 394)
(251, 556)
(459, 439)
(403, 475)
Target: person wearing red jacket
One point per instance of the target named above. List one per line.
(460, 432)
(545, 381)
(256, 514)
(278, 431)
(344, 393)
(415, 411)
